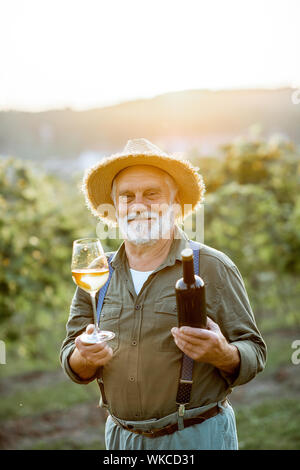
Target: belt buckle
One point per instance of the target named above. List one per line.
(181, 409)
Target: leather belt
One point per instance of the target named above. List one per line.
(174, 427)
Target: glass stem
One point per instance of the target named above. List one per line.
(93, 298)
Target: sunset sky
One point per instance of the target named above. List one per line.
(90, 53)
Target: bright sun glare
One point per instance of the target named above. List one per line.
(88, 53)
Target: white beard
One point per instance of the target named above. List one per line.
(147, 232)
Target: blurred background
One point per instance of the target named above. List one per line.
(216, 81)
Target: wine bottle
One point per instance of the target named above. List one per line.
(190, 294)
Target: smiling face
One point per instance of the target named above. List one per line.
(144, 197)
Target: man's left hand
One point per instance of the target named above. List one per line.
(207, 345)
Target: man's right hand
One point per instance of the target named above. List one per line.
(86, 358)
(97, 354)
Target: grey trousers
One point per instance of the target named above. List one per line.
(218, 433)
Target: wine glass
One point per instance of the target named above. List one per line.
(90, 272)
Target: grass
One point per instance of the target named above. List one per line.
(17, 363)
(271, 425)
(59, 396)
(95, 441)
(69, 444)
(279, 348)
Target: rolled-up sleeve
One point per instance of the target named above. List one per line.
(236, 320)
(81, 315)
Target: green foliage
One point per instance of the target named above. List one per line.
(274, 167)
(252, 213)
(39, 219)
(245, 218)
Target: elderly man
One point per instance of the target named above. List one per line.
(139, 370)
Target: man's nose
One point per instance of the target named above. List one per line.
(138, 203)
(138, 207)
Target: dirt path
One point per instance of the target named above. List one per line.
(284, 383)
(34, 380)
(80, 424)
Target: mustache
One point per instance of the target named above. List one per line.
(140, 215)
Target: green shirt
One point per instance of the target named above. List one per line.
(141, 379)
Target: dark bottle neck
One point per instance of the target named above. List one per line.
(188, 271)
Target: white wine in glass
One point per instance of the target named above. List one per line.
(90, 272)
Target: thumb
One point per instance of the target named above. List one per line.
(212, 326)
(90, 329)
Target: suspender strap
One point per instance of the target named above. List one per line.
(186, 373)
(101, 296)
(103, 290)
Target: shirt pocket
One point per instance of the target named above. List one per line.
(165, 318)
(110, 321)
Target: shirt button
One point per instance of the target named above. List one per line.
(134, 343)
(131, 379)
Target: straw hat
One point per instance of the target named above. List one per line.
(97, 182)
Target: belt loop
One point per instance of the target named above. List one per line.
(222, 404)
(180, 416)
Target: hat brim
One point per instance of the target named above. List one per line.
(97, 183)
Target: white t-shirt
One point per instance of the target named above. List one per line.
(139, 278)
